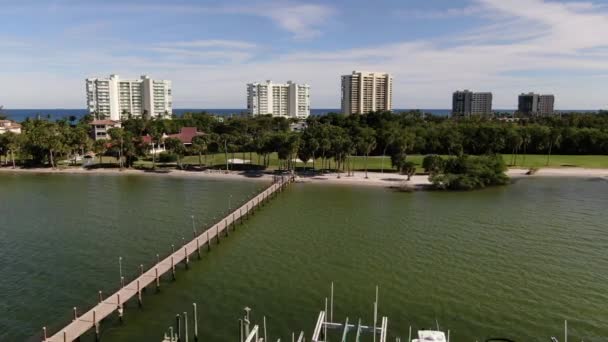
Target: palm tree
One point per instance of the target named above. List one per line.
(388, 134)
(555, 138)
(224, 143)
(366, 142)
(13, 142)
(200, 144)
(100, 147)
(156, 137)
(176, 147)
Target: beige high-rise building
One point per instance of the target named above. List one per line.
(364, 92)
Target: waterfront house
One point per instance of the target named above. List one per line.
(9, 126)
(186, 135)
(100, 128)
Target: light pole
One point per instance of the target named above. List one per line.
(120, 270)
(229, 202)
(193, 226)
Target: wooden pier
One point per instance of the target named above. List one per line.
(115, 302)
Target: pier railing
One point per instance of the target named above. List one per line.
(151, 277)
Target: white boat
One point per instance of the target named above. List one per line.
(430, 336)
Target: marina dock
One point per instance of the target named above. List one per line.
(91, 319)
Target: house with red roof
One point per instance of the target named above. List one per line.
(186, 135)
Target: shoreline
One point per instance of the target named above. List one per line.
(376, 179)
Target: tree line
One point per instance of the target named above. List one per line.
(331, 140)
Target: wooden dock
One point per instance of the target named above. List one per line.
(115, 302)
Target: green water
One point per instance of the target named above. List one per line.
(505, 262)
(61, 237)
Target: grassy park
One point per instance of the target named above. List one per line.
(375, 163)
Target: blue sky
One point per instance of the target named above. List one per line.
(211, 49)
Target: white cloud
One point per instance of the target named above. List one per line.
(304, 21)
(528, 45)
(213, 43)
(301, 20)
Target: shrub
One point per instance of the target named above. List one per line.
(433, 164)
(166, 157)
(471, 172)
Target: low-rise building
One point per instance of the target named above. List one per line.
(186, 135)
(100, 128)
(9, 126)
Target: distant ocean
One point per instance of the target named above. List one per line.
(54, 114)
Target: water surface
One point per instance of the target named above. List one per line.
(511, 262)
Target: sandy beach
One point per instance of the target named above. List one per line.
(358, 179)
(161, 173)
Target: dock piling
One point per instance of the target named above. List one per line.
(185, 326)
(92, 319)
(172, 268)
(186, 258)
(179, 327)
(139, 299)
(96, 325)
(198, 248)
(141, 274)
(157, 279)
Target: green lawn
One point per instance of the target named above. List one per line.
(531, 160)
(375, 163)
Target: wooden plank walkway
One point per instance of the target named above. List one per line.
(91, 318)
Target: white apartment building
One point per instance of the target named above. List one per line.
(115, 99)
(481, 104)
(364, 92)
(285, 99)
